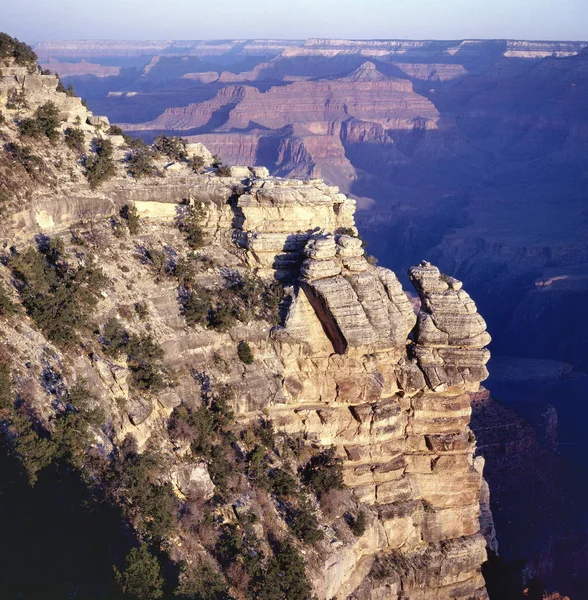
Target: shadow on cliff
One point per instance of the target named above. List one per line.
(537, 499)
(56, 541)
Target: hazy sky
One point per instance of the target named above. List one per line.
(34, 20)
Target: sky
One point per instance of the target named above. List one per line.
(37, 20)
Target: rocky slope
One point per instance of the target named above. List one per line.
(348, 366)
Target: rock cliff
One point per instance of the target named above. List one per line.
(349, 368)
(442, 180)
(321, 112)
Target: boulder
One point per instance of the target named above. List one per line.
(240, 172)
(193, 481)
(349, 246)
(99, 121)
(139, 410)
(260, 172)
(198, 149)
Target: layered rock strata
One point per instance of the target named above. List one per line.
(397, 411)
(450, 335)
(276, 217)
(351, 366)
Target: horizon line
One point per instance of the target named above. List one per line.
(284, 39)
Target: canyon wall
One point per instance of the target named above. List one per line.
(349, 366)
(467, 138)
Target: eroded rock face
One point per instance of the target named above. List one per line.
(276, 217)
(351, 366)
(365, 93)
(450, 334)
(398, 412)
(359, 304)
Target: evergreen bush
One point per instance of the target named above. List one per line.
(57, 296)
(100, 166)
(74, 139)
(131, 216)
(244, 352)
(140, 162)
(141, 577)
(171, 146)
(324, 472)
(44, 123)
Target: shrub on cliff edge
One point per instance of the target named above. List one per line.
(74, 139)
(358, 524)
(140, 162)
(223, 171)
(171, 146)
(100, 166)
(24, 155)
(131, 216)
(7, 306)
(142, 352)
(22, 53)
(57, 296)
(190, 224)
(201, 582)
(304, 523)
(196, 163)
(324, 472)
(44, 123)
(284, 577)
(68, 91)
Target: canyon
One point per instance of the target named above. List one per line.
(432, 149)
(349, 368)
(469, 153)
(448, 147)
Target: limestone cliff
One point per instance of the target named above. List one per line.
(349, 366)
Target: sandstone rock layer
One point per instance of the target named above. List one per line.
(350, 366)
(387, 388)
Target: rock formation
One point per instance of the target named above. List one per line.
(441, 186)
(350, 366)
(397, 410)
(406, 401)
(364, 93)
(300, 126)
